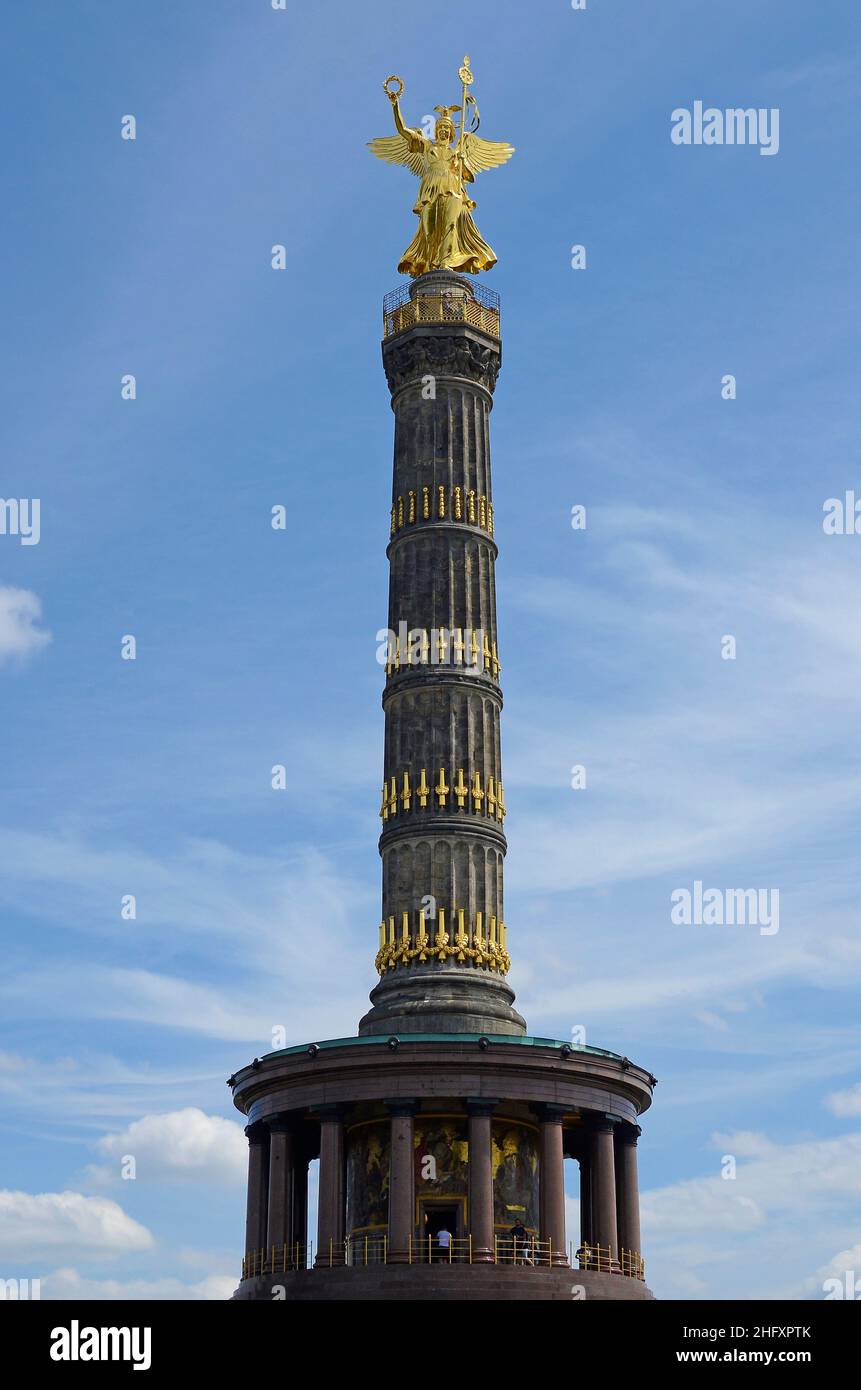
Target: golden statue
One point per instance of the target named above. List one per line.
(447, 237)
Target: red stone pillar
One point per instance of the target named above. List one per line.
(402, 1179)
(300, 1202)
(481, 1179)
(330, 1207)
(258, 1178)
(280, 1223)
(604, 1223)
(551, 1189)
(585, 1199)
(627, 1188)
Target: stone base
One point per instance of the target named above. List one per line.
(442, 999)
(444, 1283)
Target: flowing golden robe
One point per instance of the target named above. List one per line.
(447, 236)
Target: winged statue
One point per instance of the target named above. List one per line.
(447, 237)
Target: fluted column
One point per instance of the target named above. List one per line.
(551, 1190)
(481, 1179)
(442, 802)
(330, 1210)
(401, 1179)
(627, 1188)
(258, 1174)
(280, 1222)
(604, 1220)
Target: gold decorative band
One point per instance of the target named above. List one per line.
(471, 649)
(469, 794)
(467, 943)
(440, 504)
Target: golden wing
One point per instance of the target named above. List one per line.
(395, 149)
(479, 154)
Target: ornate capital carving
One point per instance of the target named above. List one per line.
(455, 355)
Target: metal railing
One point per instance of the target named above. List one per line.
(600, 1259)
(513, 1250)
(276, 1259)
(478, 307)
(372, 1249)
(366, 1250)
(431, 1250)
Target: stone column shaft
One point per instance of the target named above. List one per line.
(330, 1211)
(627, 1189)
(552, 1183)
(604, 1222)
(481, 1180)
(280, 1223)
(255, 1212)
(401, 1180)
(300, 1204)
(585, 1201)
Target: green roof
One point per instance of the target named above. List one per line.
(504, 1038)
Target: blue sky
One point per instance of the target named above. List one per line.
(254, 647)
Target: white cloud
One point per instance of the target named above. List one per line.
(761, 1234)
(66, 1222)
(20, 637)
(69, 1284)
(182, 1146)
(845, 1103)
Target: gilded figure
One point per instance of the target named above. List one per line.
(447, 237)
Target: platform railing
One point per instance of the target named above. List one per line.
(276, 1259)
(373, 1249)
(366, 1250)
(431, 1250)
(515, 1250)
(600, 1259)
(479, 308)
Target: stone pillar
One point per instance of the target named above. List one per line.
(604, 1225)
(258, 1177)
(300, 1201)
(627, 1188)
(480, 1180)
(402, 1180)
(280, 1224)
(585, 1200)
(330, 1209)
(551, 1189)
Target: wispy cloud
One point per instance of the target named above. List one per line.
(20, 634)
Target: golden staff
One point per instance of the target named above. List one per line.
(467, 79)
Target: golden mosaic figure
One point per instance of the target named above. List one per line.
(447, 238)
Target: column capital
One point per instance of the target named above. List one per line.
(331, 1113)
(400, 1105)
(257, 1133)
(551, 1114)
(480, 1105)
(598, 1123)
(279, 1124)
(628, 1133)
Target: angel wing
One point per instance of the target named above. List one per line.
(396, 149)
(479, 154)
